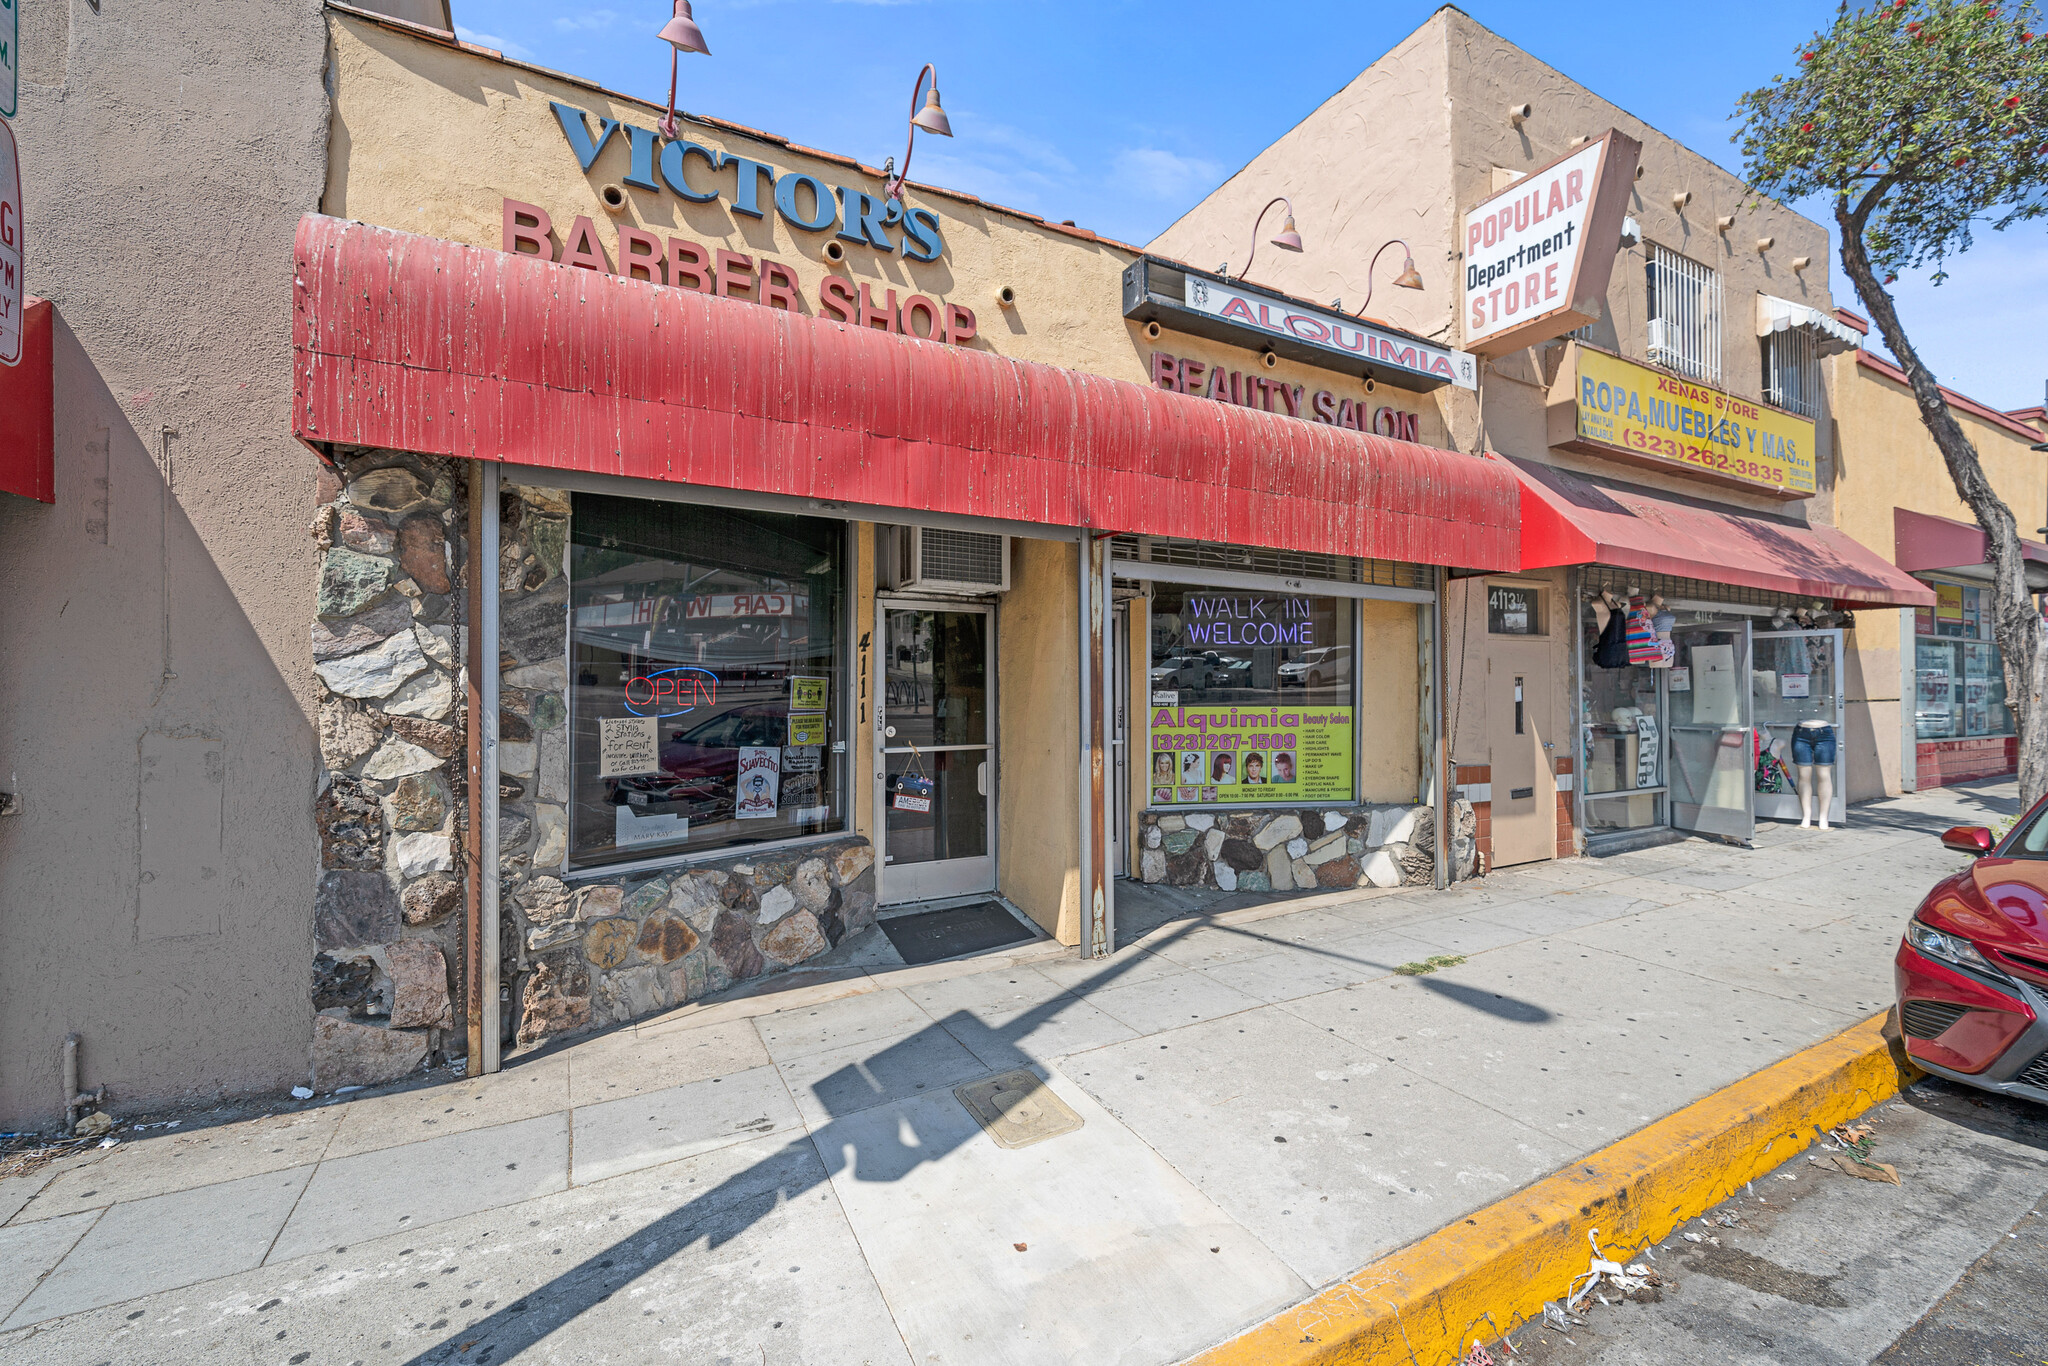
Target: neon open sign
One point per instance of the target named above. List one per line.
(671, 692)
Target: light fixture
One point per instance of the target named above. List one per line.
(1409, 278)
(929, 117)
(1287, 239)
(1800, 263)
(1764, 243)
(682, 35)
(1680, 199)
(1724, 223)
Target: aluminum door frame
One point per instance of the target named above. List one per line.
(1785, 806)
(981, 875)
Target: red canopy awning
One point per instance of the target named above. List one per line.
(1569, 520)
(1924, 542)
(426, 345)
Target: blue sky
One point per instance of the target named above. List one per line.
(1121, 115)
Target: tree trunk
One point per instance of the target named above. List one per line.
(2016, 621)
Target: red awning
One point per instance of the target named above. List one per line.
(420, 344)
(1569, 520)
(1923, 542)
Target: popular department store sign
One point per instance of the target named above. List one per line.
(1538, 254)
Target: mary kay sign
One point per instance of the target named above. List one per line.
(11, 293)
(1538, 254)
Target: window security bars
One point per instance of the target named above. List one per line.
(1685, 315)
(1792, 371)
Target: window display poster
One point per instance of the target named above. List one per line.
(629, 827)
(627, 746)
(1233, 754)
(760, 779)
(806, 694)
(1681, 679)
(806, 729)
(1646, 751)
(1794, 685)
(1716, 700)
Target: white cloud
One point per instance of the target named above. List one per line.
(591, 21)
(509, 47)
(1157, 173)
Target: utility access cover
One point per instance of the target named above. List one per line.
(1018, 1109)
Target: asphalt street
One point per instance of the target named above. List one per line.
(1812, 1266)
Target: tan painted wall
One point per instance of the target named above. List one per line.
(1390, 710)
(432, 139)
(1889, 461)
(162, 604)
(1038, 841)
(1413, 141)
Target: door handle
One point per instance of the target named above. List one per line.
(981, 778)
(889, 731)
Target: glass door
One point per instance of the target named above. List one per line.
(936, 733)
(1798, 677)
(1119, 736)
(1712, 750)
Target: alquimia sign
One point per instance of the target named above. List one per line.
(1338, 334)
(1538, 253)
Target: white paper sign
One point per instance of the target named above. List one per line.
(627, 746)
(1681, 679)
(760, 782)
(629, 828)
(1794, 685)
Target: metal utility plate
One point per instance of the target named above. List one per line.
(928, 936)
(1018, 1109)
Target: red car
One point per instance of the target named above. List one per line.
(1972, 970)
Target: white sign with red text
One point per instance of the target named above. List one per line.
(1329, 331)
(1538, 254)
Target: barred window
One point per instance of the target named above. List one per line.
(1792, 371)
(1685, 315)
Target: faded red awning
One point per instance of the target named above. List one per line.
(421, 344)
(1923, 543)
(1569, 520)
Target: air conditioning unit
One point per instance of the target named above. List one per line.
(1663, 342)
(927, 559)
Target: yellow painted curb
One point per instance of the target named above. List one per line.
(1425, 1303)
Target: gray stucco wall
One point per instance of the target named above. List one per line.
(155, 670)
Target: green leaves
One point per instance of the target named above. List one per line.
(1920, 118)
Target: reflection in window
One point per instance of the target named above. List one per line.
(704, 678)
(1251, 697)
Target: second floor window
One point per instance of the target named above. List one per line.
(1685, 315)
(1792, 371)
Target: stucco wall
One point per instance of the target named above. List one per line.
(156, 614)
(1038, 839)
(1889, 461)
(432, 139)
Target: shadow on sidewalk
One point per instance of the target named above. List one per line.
(724, 1212)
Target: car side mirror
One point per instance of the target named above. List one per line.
(1973, 840)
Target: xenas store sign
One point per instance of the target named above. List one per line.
(1650, 417)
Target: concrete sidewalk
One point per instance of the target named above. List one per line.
(788, 1179)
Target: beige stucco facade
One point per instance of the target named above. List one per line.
(1398, 156)
(1888, 462)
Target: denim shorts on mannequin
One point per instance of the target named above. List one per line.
(1813, 745)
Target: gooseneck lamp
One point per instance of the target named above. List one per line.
(929, 117)
(1409, 278)
(1288, 239)
(682, 35)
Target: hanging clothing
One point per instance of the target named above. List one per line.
(1612, 651)
(1642, 634)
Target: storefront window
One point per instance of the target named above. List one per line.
(705, 671)
(1960, 689)
(1252, 697)
(1623, 740)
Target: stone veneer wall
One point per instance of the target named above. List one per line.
(1267, 850)
(391, 805)
(613, 948)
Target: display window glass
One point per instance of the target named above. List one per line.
(1959, 689)
(1252, 697)
(1622, 739)
(705, 678)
